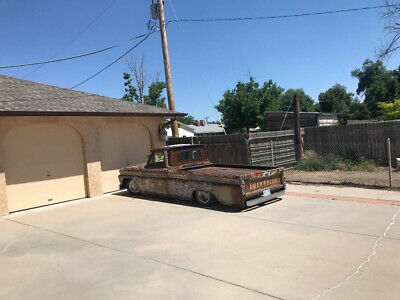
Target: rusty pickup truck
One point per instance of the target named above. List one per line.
(185, 172)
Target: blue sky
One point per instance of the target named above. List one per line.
(312, 53)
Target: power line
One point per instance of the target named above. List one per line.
(173, 10)
(75, 37)
(114, 61)
(281, 16)
(60, 59)
(71, 57)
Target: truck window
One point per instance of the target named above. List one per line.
(189, 155)
(157, 157)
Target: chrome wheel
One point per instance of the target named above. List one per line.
(204, 198)
(132, 187)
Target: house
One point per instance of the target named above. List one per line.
(275, 119)
(58, 144)
(201, 129)
(183, 129)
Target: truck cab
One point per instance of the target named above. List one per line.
(177, 156)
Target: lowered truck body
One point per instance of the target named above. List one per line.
(184, 172)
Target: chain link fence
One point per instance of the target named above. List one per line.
(356, 154)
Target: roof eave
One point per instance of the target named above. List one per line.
(73, 113)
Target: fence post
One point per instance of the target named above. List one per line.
(297, 127)
(272, 153)
(390, 162)
(247, 144)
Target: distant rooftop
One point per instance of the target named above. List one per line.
(204, 129)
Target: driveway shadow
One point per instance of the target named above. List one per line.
(216, 207)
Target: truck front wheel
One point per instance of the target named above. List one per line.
(204, 198)
(132, 187)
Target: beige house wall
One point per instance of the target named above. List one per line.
(108, 143)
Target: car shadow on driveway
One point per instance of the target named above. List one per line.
(216, 207)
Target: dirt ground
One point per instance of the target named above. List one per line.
(378, 178)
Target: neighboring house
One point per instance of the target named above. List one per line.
(275, 119)
(58, 144)
(202, 129)
(183, 130)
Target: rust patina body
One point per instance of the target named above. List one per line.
(184, 172)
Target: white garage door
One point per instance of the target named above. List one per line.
(44, 165)
(122, 144)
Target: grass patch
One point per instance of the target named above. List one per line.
(331, 162)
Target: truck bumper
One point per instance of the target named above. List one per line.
(262, 199)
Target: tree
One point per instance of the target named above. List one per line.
(240, 107)
(270, 97)
(155, 89)
(130, 91)
(137, 67)
(306, 102)
(336, 100)
(377, 84)
(188, 120)
(154, 96)
(390, 111)
(392, 27)
(245, 106)
(358, 111)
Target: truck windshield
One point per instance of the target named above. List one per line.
(189, 155)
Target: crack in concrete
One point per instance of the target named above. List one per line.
(364, 263)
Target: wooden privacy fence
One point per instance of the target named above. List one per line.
(275, 148)
(258, 149)
(367, 140)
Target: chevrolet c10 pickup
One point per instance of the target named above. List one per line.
(185, 172)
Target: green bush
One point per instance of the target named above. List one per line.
(330, 162)
(364, 165)
(311, 163)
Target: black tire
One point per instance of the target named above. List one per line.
(204, 198)
(132, 187)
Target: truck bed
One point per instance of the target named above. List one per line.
(229, 171)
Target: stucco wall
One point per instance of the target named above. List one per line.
(131, 139)
(123, 143)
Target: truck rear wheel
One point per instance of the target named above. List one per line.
(132, 187)
(204, 198)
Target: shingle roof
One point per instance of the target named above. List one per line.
(23, 97)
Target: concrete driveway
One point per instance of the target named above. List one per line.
(116, 247)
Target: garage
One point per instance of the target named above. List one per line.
(58, 144)
(43, 164)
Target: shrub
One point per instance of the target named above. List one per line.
(311, 163)
(364, 165)
(329, 162)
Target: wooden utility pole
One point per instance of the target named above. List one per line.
(167, 67)
(297, 127)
